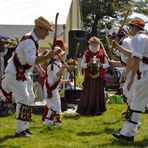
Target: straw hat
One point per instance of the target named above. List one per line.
(94, 40)
(137, 22)
(42, 22)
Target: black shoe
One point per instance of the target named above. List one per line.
(22, 134)
(122, 137)
(29, 132)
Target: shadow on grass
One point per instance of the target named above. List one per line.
(106, 130)
(10, 146)
(70, 116)
(87, 133)
(110, 130)
(5, 138)
(51, 129)
(109, 123)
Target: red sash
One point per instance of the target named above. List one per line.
(8, 96)
(50, 88)
(20, 69)
(54, 86)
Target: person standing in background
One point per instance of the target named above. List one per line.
(94, 63)
(61, 44)
(55, 70)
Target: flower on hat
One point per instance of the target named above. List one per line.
(44, 23)
(60, 43)
(137, 22)
(94, 40)
(59, 50)
(116, 31)
(113, 32)
(112, 35)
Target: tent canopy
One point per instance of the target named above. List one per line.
(17, 17)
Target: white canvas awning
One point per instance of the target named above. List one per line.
(17, 16)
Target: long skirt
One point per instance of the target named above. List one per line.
(92, 99)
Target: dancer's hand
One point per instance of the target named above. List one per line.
(89, 63)
(51, 54)
(115, 44)
(130, 83)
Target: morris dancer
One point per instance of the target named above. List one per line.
(140, 61)
(17, 73)
(125, 60)
(55, 70)
(94, 63)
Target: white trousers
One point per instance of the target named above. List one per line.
(22, 92)
(54, 103)
(20, 125)
(129, 93)
(138, 103)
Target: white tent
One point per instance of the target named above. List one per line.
(17, 16)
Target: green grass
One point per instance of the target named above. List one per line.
(75, 132)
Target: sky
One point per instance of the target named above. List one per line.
(23, 12)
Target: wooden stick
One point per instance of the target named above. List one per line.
(64, 62)
(77, 47)
(104, 51)
(111, 66)
(55, 32)
(108, 42)
(125, 19)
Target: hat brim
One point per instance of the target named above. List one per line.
(90, 42)
(43, 25)
(94, 40)
(135, 25)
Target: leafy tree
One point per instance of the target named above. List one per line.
(94, 10)
(141, 6)
(97, 12)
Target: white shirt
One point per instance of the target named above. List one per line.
(127, 44)
(52, 77)
(26, 53)
(140, 49)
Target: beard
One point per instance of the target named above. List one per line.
(94, 49)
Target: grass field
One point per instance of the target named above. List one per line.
(75, 131)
